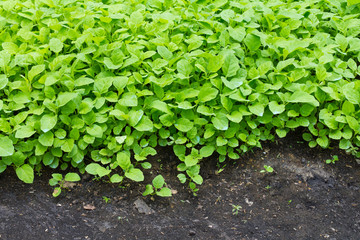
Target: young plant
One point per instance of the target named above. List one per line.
(158, 187)
(334, 159)
(57, 179)
(236, 209)
(267, 169)
(106, 199)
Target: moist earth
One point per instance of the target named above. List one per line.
(304, 198)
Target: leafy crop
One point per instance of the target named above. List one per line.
(98, 85)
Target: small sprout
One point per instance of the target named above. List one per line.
(334, 159)
(236, 209)
(268, 169)
(268, 187)
(106, 199)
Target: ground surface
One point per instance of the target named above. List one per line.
(304, 199)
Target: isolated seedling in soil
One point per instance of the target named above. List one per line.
(158, 188)
(268, 169)
(334, 159)
(236, 209)
(57, 179)
(106, 199)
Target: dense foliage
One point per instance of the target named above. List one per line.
(99, 84)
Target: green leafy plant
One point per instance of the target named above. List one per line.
(106, 199)
(333, 160)
(267, 169)
(99, 85)
(158, 188)
(236, 209)
(58, 179)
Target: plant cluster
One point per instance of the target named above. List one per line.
(98, 85)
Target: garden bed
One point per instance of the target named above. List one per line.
(304, 198)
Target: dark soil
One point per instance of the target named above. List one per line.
(303, 199)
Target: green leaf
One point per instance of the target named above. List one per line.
(116, 178)
(207, 151)
(353, 123)
(6, 147)
(123, 160)
(257, 109)
(184, 67)
(3, 81)
(128, 99)
(184, 125)
(25, 132)
(182, 177)
(48, 122)
(36, 70)
(46, 139)
(148, 190)
(72, 177)
(145, 125)
(351, 93)
(164, 192)
(135, 174)
(252, 42)
(95, 130)
(303, 97)
(207, 93)
(237, 33)
(92, 168)
(220, 122)
(65, 97)
(276, 108)
(231, 65)
(56, 45)
(158, 182)
(164, 52)
(25, 173)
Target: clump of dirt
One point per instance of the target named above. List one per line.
(303, 198)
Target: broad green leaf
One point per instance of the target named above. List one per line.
(164, 52)
(36, 70)
(72, 177)
(252, 42)
(184, 67)
(184, 125)
(56, 45)
(207, 151)
(116, 178)
(128, 99)
(135, 174)
(164, 192)
(48, 122)
(207, 93)
(230, 66)
(148, 190)
(3, 81)
(65, 97)
(237, 33)
(351, 93)
(145, 125)
(25, 173)
(220, 122)
(303, 97)
(158, 182)
(46, 139)
(6, 147)
(276, 108)
(25, 132)
(257, 109)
